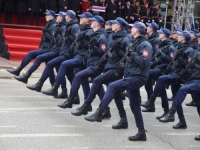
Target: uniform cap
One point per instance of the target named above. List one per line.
(86, 15)
(194, 31)
(140, 26)
(185, 34)
(109, 22)
(198, 34)
(61, 14)
(153, 25)
(98, 19)
(120, 21)
(71, 14)
(164, 31)
(51, 12)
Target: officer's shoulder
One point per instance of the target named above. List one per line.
(145, 44)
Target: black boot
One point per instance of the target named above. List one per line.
(123, 95)
(192, 103)
(76, 99)
(36, 87)
(15, 71)
(63, 94)
(182, 124)
(52, 91)
(122, 124)
(165, 112)
(171, 99)
(67, 103)
(140, 136)
(23, 78)
(169, 117)
(89, 108)
(97, 116)
(106, 114)
(197, 138)
(149, 105)
(83, 110)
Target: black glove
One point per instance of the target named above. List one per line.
(92, 42)
(128, 59)
(159, 52)
(81, 37)
(67, 32)
(178, 54)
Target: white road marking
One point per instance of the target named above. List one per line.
(37, 135)
(8, 126)
(80, 147)
(133, 146)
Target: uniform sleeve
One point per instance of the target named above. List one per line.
(100, 48)
(167, 57)
(123, 47)
(74, 33)
(49, 34)
(143, 57)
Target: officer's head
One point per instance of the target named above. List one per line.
(60, 16)
(183, 36)
(108, 25)
(163, 34)
(70, 15)
(50, 15)
(138, 28)
(96, 22)
(198, 37)
(118, 24)
(84, 18)
(152, 27)
(193, 33)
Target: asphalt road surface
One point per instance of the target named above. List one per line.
(32, 121)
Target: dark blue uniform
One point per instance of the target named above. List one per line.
(154, 41)
(136, 73)
(109, 75)
(160, 63)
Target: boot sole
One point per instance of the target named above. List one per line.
(80, 114)
(93, 120)
(13, 73)
(20, 80)
(137, 139)
(180, 128)
(148, 110)
(120, 128)
(167, 121)
(107, 117)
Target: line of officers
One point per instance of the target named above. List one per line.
(120, 59)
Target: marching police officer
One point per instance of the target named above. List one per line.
(153, 36)
(118, 43)
(97, 47)
(44, 44)
(180, 60)
(108, 27)
(136, 72)
(192, 87)
(53, 53)
(79, 52)
(160, 60)
(144, 13)
(136, 12)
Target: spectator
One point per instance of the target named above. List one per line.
(51, 5)
(63, 5)
(103, 3)
(196, 24)
(9, 9)
(75, 6)
(128, 12)
(22, 8)
(94, 3)
(120, 8)
(85, 4)
(111, 10)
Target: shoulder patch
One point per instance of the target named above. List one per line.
(145, 53)
(103, 47)
(171, 55)
(189, 59)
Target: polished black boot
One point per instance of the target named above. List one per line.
(165, 112)
(122, 124)
(67, 104)
(149, 105)
(140, 136)
(83, 110)
(169, 117)
(106, 114)
(197, 138)
(97, 116)
(24, 78)
(89, 108)
(171, 99)
(36, 87)
(15, 71)
(63, 94)
(76, 99)
(192, 103)
(182, 123)
(52, 91)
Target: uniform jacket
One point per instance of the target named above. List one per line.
(113, 62)
(35, 5)
(82, 46)
(180, 64)
(166, 56)
(58, 36)
(97, 51)
(194, 44)
(140, 60)
(154, 41)
(73, 28)
(47, 36)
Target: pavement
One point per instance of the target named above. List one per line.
(32, 121)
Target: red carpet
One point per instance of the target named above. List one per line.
(21, 41)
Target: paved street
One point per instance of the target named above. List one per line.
(32, 121)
